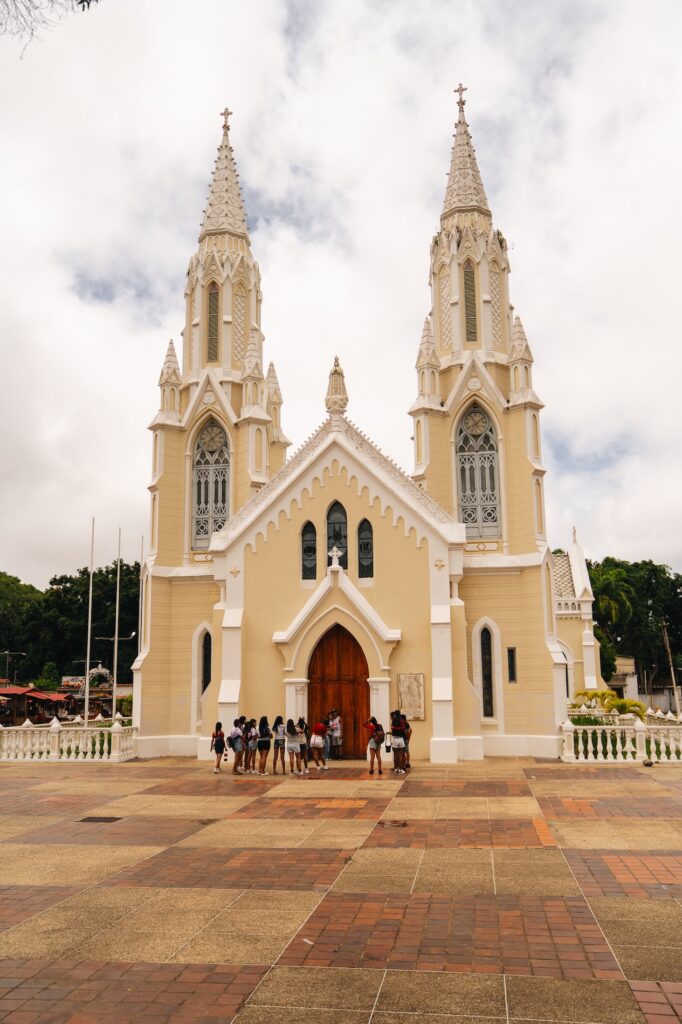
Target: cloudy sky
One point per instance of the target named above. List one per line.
(342, 133)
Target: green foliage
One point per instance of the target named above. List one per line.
(586, 719)
(632, 602)
(125, 705)
(623, 706)
(49, 677)
(607, 654)
(601, 696)
(51, 626)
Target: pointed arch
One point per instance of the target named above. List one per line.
(337, 532)
(477, 472)
(210, 482)
(486, 650)
(206, 656)
(308, 552)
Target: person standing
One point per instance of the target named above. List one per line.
(407, 735)
(303, 738)
(280, 732)
(336, 729)
(398, 742)
(293, 748)
(326, 748)
(218, 745)
(252, 745)
(317, 745)
(264, 740)
(237, 744)
(376, 738)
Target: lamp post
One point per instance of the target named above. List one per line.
(115, 640)
(11, 654)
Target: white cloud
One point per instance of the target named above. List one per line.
(343, 118)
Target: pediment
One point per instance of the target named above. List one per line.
(208, 395)
(474, 381)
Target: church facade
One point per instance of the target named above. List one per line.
(278, 585)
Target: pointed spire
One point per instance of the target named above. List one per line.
(337, 396)
(252, 366)
(465, 188)
(170, 371)
(224, 212)
(272, 384)
(520, 349)
(427, 355)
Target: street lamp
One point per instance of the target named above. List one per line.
(11, 654)
(115, 640)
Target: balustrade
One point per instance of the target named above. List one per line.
(629, 739)
(73, 741)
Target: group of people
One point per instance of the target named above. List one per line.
(303, 745)
(251, 744)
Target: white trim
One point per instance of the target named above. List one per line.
(196, 696)
(498, 676)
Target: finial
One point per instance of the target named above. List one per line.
(226, 115)
(460, 90)
(335, 554)
(575, 535)
(337, 396)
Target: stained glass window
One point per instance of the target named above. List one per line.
(308, 552)
(337, 533)
(206, 647)
(365, 550)
(477, 473)
(487, 672)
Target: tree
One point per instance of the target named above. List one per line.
(49, 677)
(25, 18)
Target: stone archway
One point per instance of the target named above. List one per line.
(338, 679)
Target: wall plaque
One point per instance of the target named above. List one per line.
(411, 694)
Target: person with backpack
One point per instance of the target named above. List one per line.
(376, 738)
(237, 745)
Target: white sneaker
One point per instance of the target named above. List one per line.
(326, 767)
(263, 773)
(254, 772)
(242, 771)
(306, 772)
(215, 771)
(318, 766)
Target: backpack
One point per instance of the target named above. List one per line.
(379, 734)
(230, 742)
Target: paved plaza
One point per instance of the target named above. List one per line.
(498, 891)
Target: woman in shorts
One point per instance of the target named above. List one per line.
(317, 744)
(251, 743)
(237, 744)
(303, 734)
(280, 732)
(293, 748)
(264, 740)
(398, 742)
(218, 745)
(376, 738)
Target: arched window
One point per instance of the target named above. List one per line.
(308, 552)
(337, 533)
(418, 442)
(365, 550)
(206, 649)
(539, 510)
(487, 673)
(210, 483)
(213, 322)
(470, 331)
(477, 473)
(536, 437)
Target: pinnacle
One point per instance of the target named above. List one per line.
(337, 396)
(273, 384)
(520, 349)
(171, 368)
(426, 355)
(465, 188)
(225, 209)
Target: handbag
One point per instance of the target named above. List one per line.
(388, 743)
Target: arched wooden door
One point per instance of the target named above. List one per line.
(338, 679)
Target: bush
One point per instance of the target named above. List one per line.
(125, 706)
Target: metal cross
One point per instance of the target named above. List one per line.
(226, 114)
(460, 90)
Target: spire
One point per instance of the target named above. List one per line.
(427, 355)
(464, 189)
(252, 367)
(272, 384)
(520, 349)
(170, 371)
(337, 396)
(224, 212)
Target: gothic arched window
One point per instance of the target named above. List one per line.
(210, 483)
(477, 473)
(470, 330)
(206, 649)
(308, 552)
(213, 323)
(487, 672)
(337, 533)
(365, 550)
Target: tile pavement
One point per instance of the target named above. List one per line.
(507, 890)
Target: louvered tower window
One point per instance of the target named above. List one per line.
(210, 483)
(308, 552)
(470, 302)
(213, 322)
(478, 473)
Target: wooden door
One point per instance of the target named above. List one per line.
(338, 679)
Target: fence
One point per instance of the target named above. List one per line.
(628, 739)
(73, 741)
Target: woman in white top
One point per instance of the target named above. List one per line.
(336, 731)
(293, 748)
(279, 729)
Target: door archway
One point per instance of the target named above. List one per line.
(338, 679)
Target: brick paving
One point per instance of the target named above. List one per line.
(313, 807)
(623, 873)
(292, 869)
(475, 833)
(222, 913)
(89, 992)
(555, 937)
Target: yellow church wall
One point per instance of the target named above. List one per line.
(514, 602)
(519, 482)
(439, 473)
(274, 595)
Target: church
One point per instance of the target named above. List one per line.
(332, 578)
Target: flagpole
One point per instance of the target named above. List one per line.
(139, 600)
(87, 655)
(118, 603)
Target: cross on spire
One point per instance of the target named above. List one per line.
(460, 90)
(226, 114)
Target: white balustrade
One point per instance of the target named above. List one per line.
(627, 740)
(73, 741)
